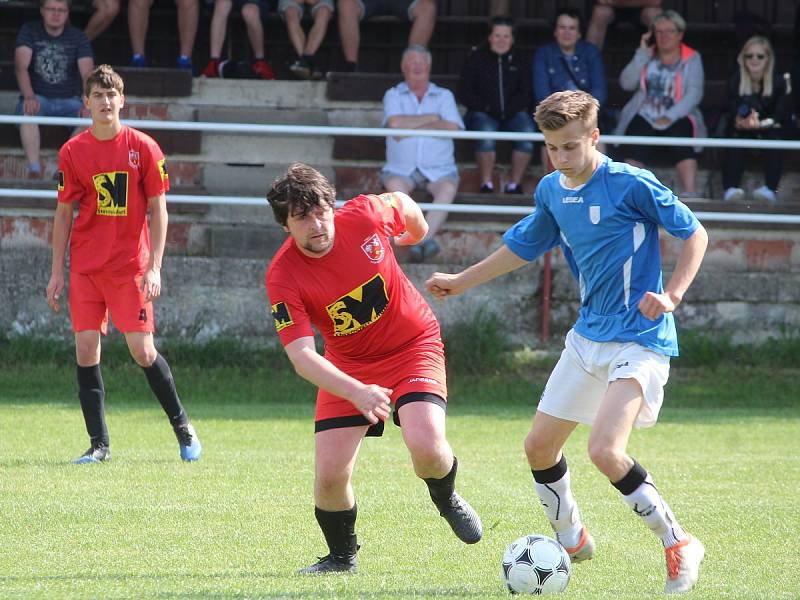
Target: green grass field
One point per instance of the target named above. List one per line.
(239, 523)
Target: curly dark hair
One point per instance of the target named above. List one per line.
(297, 192)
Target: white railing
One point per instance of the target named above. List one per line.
(327, 130)
(318, 130)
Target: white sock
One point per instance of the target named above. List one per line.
(655, 512)
(559, 503)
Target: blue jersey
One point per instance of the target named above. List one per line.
(608, 232)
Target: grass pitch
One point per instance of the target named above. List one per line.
(239, 523)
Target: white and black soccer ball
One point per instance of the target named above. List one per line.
(535, 564)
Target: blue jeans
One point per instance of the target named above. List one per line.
(54, 107)
(521, 122)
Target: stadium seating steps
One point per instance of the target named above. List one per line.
(354, 162)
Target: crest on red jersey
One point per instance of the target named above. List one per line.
(133, 159)
(373, 248)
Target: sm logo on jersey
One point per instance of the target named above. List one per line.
(280, 313)
(112, 193)
(360, 307)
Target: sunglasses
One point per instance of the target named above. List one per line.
(758, 56)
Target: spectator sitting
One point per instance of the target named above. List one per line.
(105, 11)
(139, 17)
(495, 88)
(411, 162)
(760, 108)
(603, 14)
(306, 46)
(252, 12)
(421, 13)
(668, 79)
(51, 60)
(568, 63)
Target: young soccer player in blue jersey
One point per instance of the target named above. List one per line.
(605, 216)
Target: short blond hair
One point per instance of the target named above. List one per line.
(561, 108)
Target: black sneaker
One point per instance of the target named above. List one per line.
(517, 189)
(331, 564)
(463, 519)
(486, 189)
(301, 68)
(95, 454)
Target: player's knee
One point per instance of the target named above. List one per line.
(426, 454)
(143, 355)
(540, 452)
(331, 483)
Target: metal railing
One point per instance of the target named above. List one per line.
(319, 130)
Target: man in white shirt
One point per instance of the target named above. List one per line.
(413, 162)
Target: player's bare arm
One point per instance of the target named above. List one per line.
(151, 282)
(372, 401)
(416, 225)
(62, 225)
(500, 262)
(653, 305)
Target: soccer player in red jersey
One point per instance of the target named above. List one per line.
(338, 274)
(115, 174)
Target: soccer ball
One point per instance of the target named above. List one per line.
(535, 564)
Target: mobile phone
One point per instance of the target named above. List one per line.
(651, 41)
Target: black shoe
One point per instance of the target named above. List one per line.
(463, 519)
(423, 251)
(95, 454)
(486, 189)
(517, 189)
(331, 564)
(302, 68)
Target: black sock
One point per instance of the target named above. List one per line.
(441, 489)
(338, 527)
(161, 382)
(350, 67)
(92, 394)
(632, 479)
(309, 59)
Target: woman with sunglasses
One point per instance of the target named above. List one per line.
(759, 107)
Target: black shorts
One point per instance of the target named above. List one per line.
(376, 430)
(639, 126)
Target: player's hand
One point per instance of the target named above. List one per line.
(663, 121)
(374, 402)
(442, 285)
(653, 305)
(54, 288)
(151, 284)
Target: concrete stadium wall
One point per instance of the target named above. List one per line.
(206, 297)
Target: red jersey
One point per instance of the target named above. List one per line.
(111, 181)
(356, 296)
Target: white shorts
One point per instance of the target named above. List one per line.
(580, 379)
